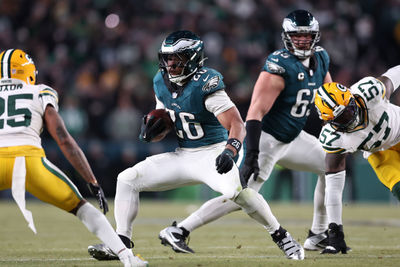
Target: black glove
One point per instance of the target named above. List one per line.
(224, 161)
(97, 191)
(151, 128)
(250, 166)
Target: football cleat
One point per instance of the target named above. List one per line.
(336, 241)
(173, 236)
(292, 249)
(316, 241)
(102, 253)
(130, 260)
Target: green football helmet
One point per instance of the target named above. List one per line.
(188, 47)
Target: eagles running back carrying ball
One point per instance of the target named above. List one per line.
(280, 105)
(359, 118)
(202, 113)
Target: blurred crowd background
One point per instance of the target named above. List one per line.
(101, 56)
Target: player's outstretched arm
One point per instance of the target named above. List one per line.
(56, 127)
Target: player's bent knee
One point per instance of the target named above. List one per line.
(247, 199)
(128, 176)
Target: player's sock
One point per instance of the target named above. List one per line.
(98, 224)
(211, 210)
(333, 196)
(320, 218)
(127, 241)
(396, 190)
(126, 205)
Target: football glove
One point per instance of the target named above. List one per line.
(250, 166)
(224, 161)
(97, 192)
(151, 127)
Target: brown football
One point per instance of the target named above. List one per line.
(161, 114)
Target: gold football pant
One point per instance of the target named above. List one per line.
(43, 179)
(386, 165)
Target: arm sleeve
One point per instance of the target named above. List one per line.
(218, 102)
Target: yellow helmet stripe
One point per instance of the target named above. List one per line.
(5, 64)
(326, 97)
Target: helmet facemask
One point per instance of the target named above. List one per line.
(337, 106)
(349, 118)
(181, 49)
(300, 22)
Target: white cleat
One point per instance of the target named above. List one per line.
(129, 260)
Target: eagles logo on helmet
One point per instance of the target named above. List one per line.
(17, 64)
(186, 46)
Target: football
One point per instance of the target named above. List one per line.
(161, 114)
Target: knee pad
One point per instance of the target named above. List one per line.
(128, 176)
(247, 199)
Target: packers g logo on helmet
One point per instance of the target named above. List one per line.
(331, 100)
(17, 64)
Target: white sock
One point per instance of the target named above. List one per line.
(257, 208)
(210, 211)
(320, 218)
(126, 206)
(333, 196)
(98, 224)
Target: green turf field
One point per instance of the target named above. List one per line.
(373, 232)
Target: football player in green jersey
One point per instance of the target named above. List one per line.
(209, 131)
(280, 105)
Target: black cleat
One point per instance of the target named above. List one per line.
(336, 241)
(174, 236)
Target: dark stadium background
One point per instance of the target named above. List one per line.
(101, 57)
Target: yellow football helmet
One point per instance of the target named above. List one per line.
(17, 64)
(337, 105)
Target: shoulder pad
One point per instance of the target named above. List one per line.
(211, 83)
(209, 79)
(274, 68)
(47, 90)
(319, 48)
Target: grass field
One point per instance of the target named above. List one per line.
(373, 232)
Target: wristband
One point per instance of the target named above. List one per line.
(235, 143)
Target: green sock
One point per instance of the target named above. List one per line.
(396, 190)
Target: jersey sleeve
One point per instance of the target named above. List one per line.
(211, 81)
(218, 102)
(332, 141)
(325, 60)
(159, 104)
(48, 96)
(275, 63)
(370, 89)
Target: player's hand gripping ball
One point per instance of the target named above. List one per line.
(155, 126)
